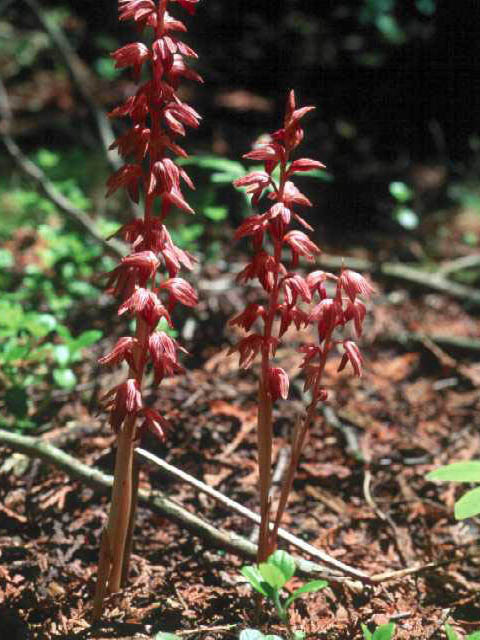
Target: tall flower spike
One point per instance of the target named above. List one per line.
(146, 281)
(270, 233)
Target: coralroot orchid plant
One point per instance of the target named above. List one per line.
(271, 234)
(158, 117)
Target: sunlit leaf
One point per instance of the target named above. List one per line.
(272, 575)
(468, 505)
(309, 587)
(284, 562)
(466, 471)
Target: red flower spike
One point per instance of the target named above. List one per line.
(270, 233)
(157, 117)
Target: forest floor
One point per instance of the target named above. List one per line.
(360, 493)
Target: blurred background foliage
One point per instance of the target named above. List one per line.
(396, 91)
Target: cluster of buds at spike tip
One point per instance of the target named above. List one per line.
(158, 117)
(291, 298)
(147, 281)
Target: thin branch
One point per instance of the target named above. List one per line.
(459, 264)
(250, 515)
(159, 503)
(80, 77)
(456, 344)
(48, 189)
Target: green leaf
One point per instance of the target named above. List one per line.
(87, 338)
(61, 353)
(427, 7)
(385, 632)
(468, 505)
(366, 633)
(299, 635)
(468, 471)
(284, 562)
(473, 636)
(401, 192)
(163, 635)
(65, 378)
(252, 574)
(272, 575)
(270, 637)
(215, 213)
(451, 635)
(309, 587)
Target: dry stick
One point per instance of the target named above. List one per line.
(48, 189)
(159, 503)
(247, 513)
(218, 538)
(408, 274)
(80, 77)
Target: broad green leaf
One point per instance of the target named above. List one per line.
(366, 633)
(299, 635)
(163, 635)
(309, 587)
(283, 561)
(451, 635)
(252, 574)
(272, 575)
(251, 634)
(473, 636)
(270, 637)
(385, 632)
(215, 213)
(467, 471)
(65, 378)
(468, 505)
(87, 338)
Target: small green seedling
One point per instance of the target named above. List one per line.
(469, 504)
(384, 632)
(451, 634)
(270, 577)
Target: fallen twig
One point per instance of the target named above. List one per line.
(254, 517)
(80, 77)
(454, 344)
(30, 169)
(159, 503)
